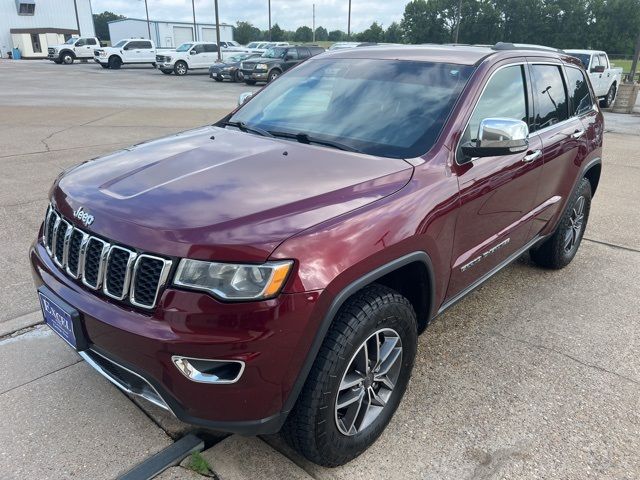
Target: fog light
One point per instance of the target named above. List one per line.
(209, 371)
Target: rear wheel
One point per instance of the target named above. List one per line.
(357, 380)
(558, 251)
(115, 62)
(180, 68)
(273, 74)
(67, 58)
(611, 96)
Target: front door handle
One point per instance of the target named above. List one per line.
(577, 134)
(532, 155)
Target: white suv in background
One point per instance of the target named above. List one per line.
(128, 51)
(188, 56)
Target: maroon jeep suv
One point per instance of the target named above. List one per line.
(273, 271)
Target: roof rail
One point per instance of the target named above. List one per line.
(524, 46)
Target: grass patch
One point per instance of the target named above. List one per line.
(199, 464)
(625, 64)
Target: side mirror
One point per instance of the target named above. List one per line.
(598, 69)
(244, 98)
(126, 47)
(498, 136)
(192, 52)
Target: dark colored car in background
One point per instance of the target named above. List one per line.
(276, 61)
(230, 68)
(273, 271)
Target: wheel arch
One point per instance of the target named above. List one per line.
(592, 173)
(390, 274)
(114, 55)
(65, 51)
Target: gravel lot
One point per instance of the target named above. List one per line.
(535, 375)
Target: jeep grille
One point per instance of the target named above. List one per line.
(117, 271)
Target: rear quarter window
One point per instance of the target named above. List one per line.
(580, 97)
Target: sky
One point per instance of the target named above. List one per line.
(289, 14)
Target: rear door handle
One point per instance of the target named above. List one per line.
(577, 134)
(531, 156)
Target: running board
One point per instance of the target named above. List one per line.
(170, 456)
(514, 256)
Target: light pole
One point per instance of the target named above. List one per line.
(195, 27)
(269, 20)
(218, 30)
(314, 23)
(146, 8)
(349, 22)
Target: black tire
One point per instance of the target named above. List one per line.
(273, 74)
(610, 98)
(166, 72)
(238, 76)
(180, 68)
(104, 65)
(67, 58)
(250, 82)
(217, 79)
(115, 62)
(558, 250)
(312, 427)
(57, 61)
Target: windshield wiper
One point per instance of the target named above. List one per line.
(246, 128)
(306, 138)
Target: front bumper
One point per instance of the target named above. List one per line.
(255, 76)
(164, 66)
(104, 60)
(271, 337)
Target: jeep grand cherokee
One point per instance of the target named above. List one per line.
(273, 271)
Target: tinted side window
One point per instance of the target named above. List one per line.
(145, 45)
(504, 96)
(91, 41)
(81, 43)
(210, 47)
(303, 53)
(579, 92)
(550, 96)
(198, 49)
(316, 50)
(291, 54)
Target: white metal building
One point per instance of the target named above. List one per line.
(167, 34)
(33, 25)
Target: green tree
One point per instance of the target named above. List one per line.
(375, 34)
(245, 32)
(393, 34)
(277, 34)
(337, 36)
(303, 34)
(423, 22)
(100, 21)
(321, 34)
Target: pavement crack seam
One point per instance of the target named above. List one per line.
(612, 245)
(566, 355)
(62, 149)
(148, 415)
(36, 379)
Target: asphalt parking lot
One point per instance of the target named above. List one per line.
(535, 375)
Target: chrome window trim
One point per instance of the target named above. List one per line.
(101, 263)
(127, 276)
(83, 246)
(164, 274)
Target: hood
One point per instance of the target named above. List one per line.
(216, 193)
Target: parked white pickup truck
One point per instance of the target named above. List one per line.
(80, 48)
(604, 78)
(130, 50)
(188, 56)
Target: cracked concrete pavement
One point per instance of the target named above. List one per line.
(535, 375)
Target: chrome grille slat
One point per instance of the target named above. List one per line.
(89, 259)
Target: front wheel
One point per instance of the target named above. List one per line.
(67, 59)
(57, 61)
(115, 63)
(104, 65)
(166, 72)
(357, 380)
(180, 68)
(273, 75)
(558, 251)
(238, 76)
(611, 96)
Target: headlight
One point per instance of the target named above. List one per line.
(230, 281)
(262, 66)
(167, 59)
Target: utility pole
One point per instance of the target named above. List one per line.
(218, 30)
(75, 5)
(634, 64)
(349, 22)
(146, 8)
(459, 15)
(269, 20)
(195, 27)
(314, 23)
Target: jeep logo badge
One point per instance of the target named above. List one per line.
(84, 217)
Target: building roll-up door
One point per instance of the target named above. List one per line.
(182, 35)
(208, 34)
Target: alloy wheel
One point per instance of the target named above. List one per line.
(368, 381)
(576, 221)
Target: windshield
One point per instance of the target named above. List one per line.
(274, 53)
(252, 45)
(120, 44)
(379, 107)
(184, 47)
(71, 40)
(583, 57)
(237, 58)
